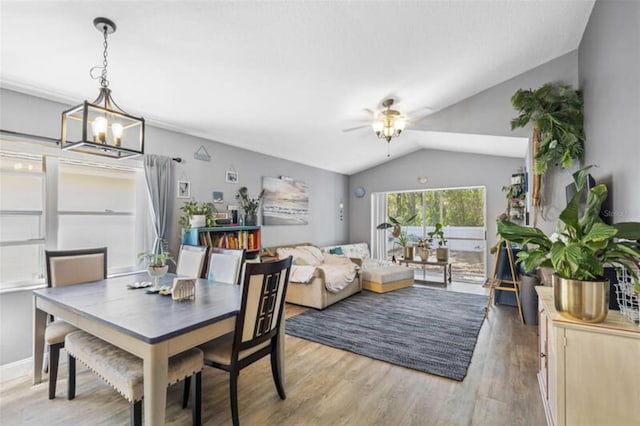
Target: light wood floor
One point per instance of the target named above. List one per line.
(325, 386)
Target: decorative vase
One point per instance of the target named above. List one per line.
(198, 221)
(250, 219)
(409, 252)
(442, 254)
(157, 272)
(586, 301)
(424, 253)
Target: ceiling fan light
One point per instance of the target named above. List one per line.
(378, 125)
(399, 124)
(388, 132)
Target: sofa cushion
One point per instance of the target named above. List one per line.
(387, 274)
(302, 255)
(357, 250)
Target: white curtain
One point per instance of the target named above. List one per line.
(378, 215)
(157, 171)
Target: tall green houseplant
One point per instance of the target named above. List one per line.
(583, 246)
(557, 114)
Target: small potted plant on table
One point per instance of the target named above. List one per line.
(579, 252)
(156, 265)
(442, 252)
(408, 250)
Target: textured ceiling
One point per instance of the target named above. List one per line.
(285, 78)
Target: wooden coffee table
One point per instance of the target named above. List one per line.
(446, 266)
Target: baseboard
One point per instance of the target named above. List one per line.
(13, 370)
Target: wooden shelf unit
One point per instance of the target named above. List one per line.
(232, 237)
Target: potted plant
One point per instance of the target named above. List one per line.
(249, 205)
(408, 251)
(578, 253)
(442, 251)
(195, 216)
(156, 265)
(557, 114)
(423, 247)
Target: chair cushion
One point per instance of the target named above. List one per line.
(219, 350)
(56, 332)
(122, 370)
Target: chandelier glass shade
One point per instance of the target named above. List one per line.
(389, 123)
(101, 127)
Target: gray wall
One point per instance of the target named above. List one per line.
(609, 58)
(490, 112)
(443, 170)
(29, 114)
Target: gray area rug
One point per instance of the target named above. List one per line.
(433, 331)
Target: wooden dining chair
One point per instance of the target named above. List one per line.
(66, 267)
(124, 371)
(256, 329)
(225, 265)
(191, 260)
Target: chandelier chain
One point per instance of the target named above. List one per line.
(103, 78)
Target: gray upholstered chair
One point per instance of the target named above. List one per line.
(225, 265)
(124, 371)
(66, 267)
(191, 260)
(256, 329)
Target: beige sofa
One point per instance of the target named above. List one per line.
(314, 293)
(378, 276)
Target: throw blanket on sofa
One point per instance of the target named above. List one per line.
(301, 273)
(339, 272)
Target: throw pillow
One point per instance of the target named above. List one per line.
(336, 250)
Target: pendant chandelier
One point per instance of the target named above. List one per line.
(101, 127)
(389, 123)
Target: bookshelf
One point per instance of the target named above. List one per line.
(232, 237)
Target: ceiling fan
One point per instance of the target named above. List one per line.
(382, 122)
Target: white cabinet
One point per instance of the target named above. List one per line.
(589, 374)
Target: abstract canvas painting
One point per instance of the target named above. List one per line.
(285, 202)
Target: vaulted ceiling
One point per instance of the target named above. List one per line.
(287, 78)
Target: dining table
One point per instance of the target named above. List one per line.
(151, 326)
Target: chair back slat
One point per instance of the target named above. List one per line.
(191, 260)
(66, 267)
(263, 295)
(225, 265)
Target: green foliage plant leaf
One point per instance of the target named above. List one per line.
(585, 245)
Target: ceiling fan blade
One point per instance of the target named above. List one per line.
(362, 126)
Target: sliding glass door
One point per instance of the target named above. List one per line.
(461, 211)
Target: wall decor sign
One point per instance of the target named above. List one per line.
(218, 197)
(231, 176)
(184, 189)
(285, 202)
(202, 154)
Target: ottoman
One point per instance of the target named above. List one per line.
(386, 278)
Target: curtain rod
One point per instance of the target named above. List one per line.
(21, 135)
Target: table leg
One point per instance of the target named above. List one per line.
(449, 272)
(39, 325)
(444, 281)
(156, 367)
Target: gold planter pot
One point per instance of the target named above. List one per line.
(409, 252)
(586, 301)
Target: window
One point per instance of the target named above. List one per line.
(460, 210)
(62, 204)
(21, 220)
(97, 206)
